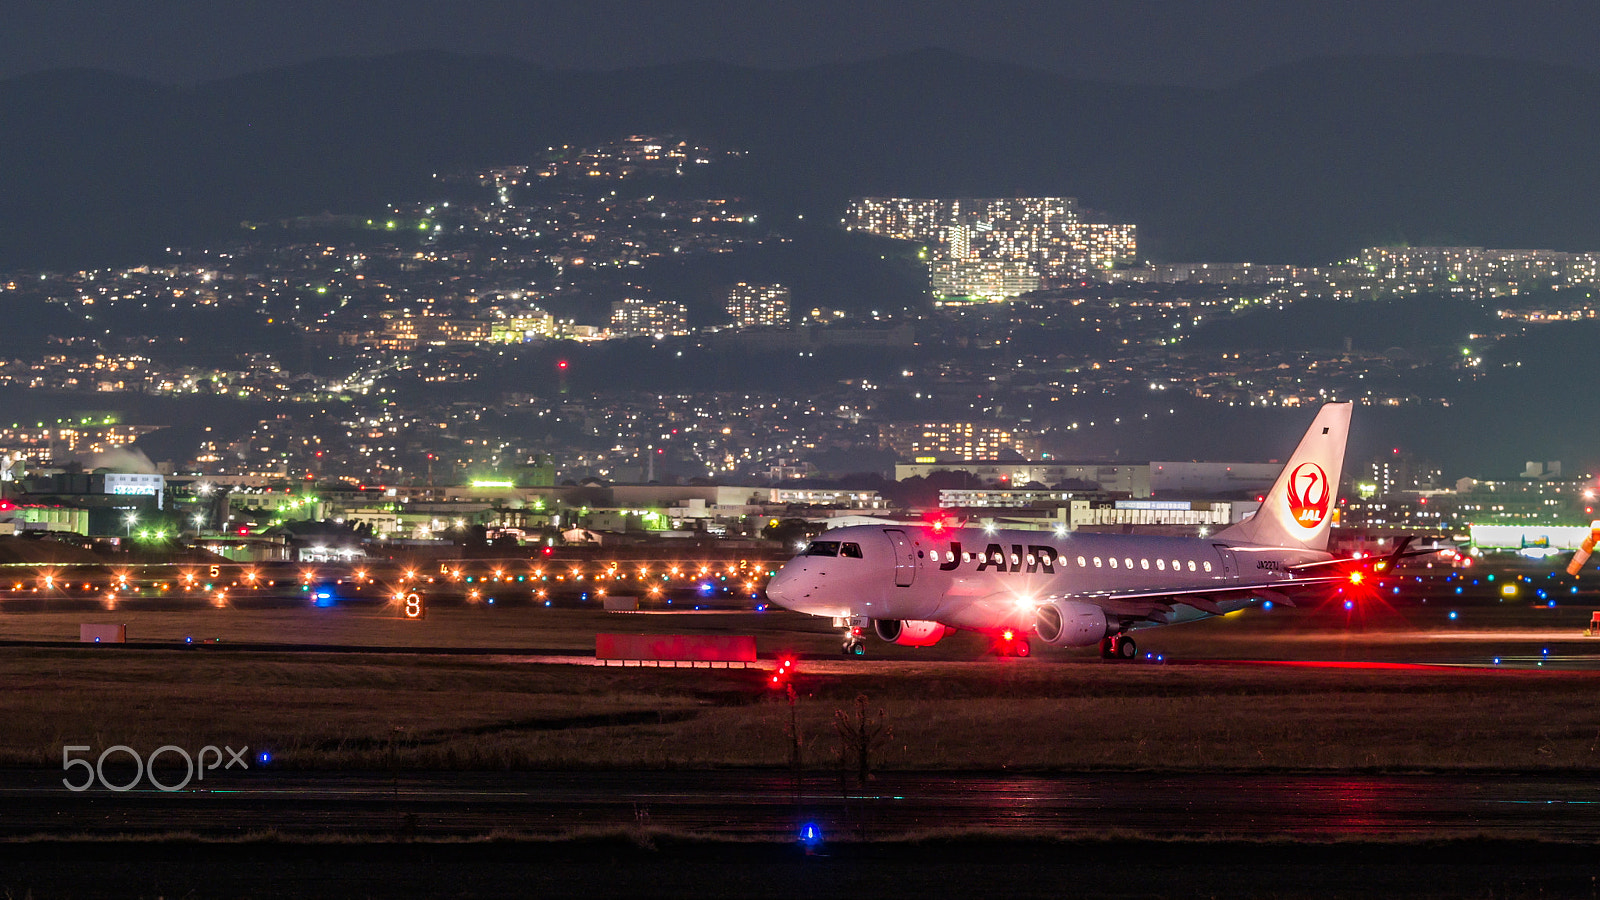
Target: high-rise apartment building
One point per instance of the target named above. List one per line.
(752, 305)
(981, 279)
(993, 248)
(955, 440)
(651, 318)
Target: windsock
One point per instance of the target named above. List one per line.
(1584, 549)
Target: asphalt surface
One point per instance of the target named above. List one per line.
(269, 832)
(773, 806)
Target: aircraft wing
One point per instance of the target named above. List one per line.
(1154, 605)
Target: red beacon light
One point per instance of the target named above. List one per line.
(782, 675)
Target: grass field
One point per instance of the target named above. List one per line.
(1064, 711)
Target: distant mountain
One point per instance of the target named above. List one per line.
(1304, 163)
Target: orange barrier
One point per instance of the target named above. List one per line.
(1584, 549)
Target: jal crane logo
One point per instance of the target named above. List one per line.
(1309, 495)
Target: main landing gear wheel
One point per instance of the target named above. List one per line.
(854, 648)
(1118, 646)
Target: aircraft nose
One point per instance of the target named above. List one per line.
(778, 589)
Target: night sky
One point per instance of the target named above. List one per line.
(1186, 42)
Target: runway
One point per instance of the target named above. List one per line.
(767, 805)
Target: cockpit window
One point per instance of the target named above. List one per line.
(851, 550)
(822, 548)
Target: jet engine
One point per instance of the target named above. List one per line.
(1063, 623)
(910, 632)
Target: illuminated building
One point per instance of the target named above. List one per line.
(1133, 480)
(954, 440)
(650, 318)
(753, 305)
(981, 279)
(1397, 472)
(994, 248)
(522, 327)
(49, 444)
(1124, 513)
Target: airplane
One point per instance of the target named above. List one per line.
(915, 584)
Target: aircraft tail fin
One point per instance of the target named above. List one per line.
(1299, 509)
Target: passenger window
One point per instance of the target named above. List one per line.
(1161, 565)
(1144, 563)
(1177, 566)
(1082, 563)
(851, 550)
(1207, 565)
(822, 548)
(1014, 560)
(1097, 562)
(1128, 561)
(1113, 562)
(1191, 565)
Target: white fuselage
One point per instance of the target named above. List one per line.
(975, 578)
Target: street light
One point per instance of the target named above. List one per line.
(131, 519)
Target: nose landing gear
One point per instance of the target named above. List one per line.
(853, 644)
